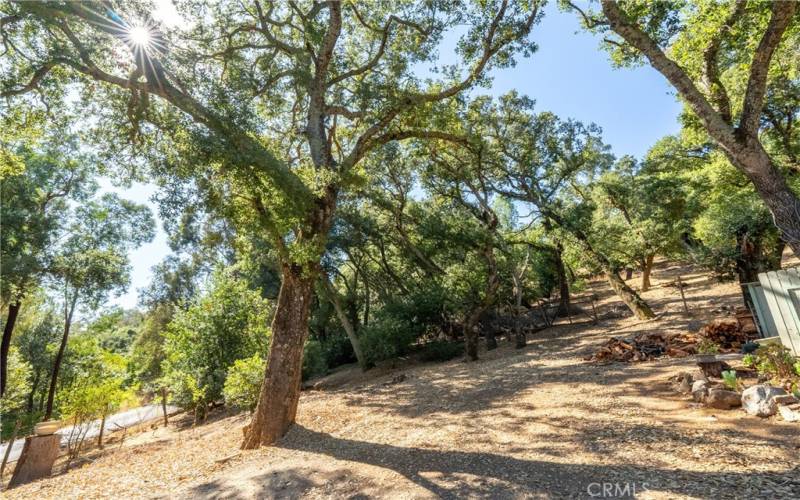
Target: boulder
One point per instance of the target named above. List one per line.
(786, 399)
(699, 390)
(790, 413)
(723, 399)
(759, 400)
(682, 382)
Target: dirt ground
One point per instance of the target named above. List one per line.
(535, 423)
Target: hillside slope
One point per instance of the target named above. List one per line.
(539, 423)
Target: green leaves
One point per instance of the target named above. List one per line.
(228, 323)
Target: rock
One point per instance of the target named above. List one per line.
(682, 383)
(699, 375)
(786, 399)
(723, 399)
(759, 400)
(699, 390)
(790, 413)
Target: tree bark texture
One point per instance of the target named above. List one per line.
(8, 329)
(280, 391)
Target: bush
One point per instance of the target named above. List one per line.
(201, 343)
(314, 363)
(337, 350)
(707, 347)
(775, 361)
(730, 380)
(243, 383)
(386, 338)
(441, 350)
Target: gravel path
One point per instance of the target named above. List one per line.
(536, 423)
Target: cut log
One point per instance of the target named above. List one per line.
(36, 460)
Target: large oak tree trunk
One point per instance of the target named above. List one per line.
(783, 203)
(8, 329)
(280, 391)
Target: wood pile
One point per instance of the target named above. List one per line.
(727, 333)
(646, 346)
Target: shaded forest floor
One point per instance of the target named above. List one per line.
(535, 423)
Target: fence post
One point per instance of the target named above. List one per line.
(683, 297)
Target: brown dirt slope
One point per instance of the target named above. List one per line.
(537, 423)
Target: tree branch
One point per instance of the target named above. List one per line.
(719, 96)
(782, 13)
(634, 35)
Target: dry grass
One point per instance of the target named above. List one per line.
(536, 423)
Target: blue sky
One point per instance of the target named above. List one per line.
(569, 75)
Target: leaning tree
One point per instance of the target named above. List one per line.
(278, 101)
(735, 66)
(540, 159)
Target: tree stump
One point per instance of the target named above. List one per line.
(713, 368)
(36, 460)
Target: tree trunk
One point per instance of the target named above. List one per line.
(32, 394)
(471, 340)
(647, 267)
(631, 299)
(491, 339)
(346, 324)
(563, 282)
(102, 428)
(519, 335)
(8, 329)
(783, 203)
(51, 395)
(740, 144)
(280, 391)
(164, 405)
(9, 446)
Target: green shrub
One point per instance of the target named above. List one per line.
(707, 347)
(749, 360)
(227, 323)
(775, 361)
(730, 380)
(441, 350)
(337, 350)
(314, 363)
(386, 338)
(243, 383)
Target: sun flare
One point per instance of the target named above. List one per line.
(139, 36)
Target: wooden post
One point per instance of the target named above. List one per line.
(8, 449)
(594, 311)
(683, 297)
(164, 404)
